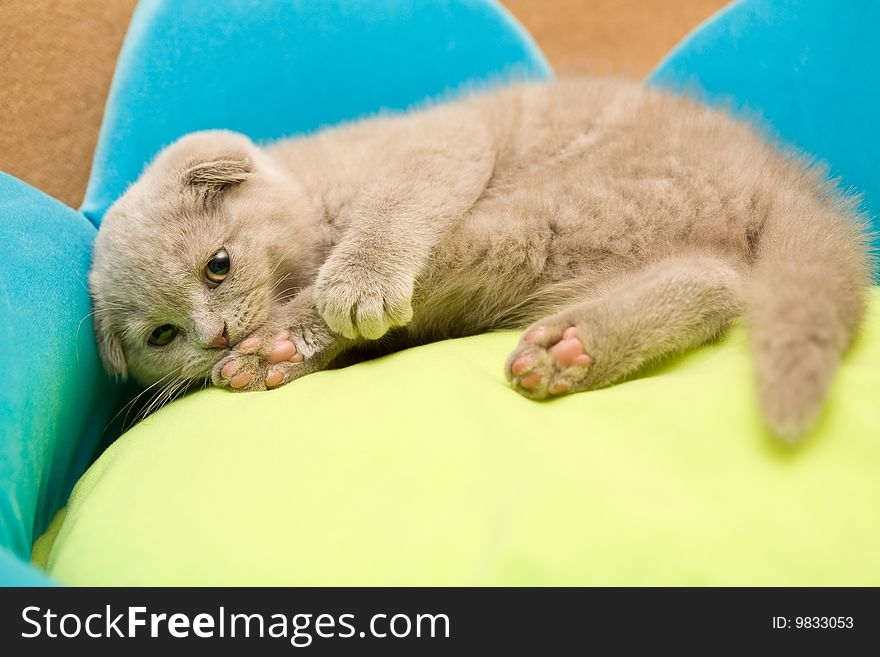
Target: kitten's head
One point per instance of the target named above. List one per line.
(188, 260)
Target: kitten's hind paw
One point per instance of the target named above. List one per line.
(548, 362)
(258, 364)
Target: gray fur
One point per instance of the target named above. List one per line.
(645, 220)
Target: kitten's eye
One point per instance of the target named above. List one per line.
(217, 268)
(162, 335)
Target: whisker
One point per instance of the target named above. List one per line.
(83, 285)
(164, 395)
(286, 293)
(127, 407)
(146, 410)
(76, 334)
(278, 262)
(154, 403)
(171, 391)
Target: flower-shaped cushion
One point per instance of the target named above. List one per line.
(424, 467)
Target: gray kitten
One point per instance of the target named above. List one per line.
(613, 223)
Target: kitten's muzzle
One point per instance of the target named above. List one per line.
(219, 341)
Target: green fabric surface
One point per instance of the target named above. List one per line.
(424, 468)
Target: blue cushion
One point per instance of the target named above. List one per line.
(14, 572)
(55, 400)
(290, 67)
(807, 67)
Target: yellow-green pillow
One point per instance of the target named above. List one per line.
(425, 468)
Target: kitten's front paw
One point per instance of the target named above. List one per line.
(356, 302)
(260, 362)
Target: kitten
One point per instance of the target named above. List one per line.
(615, 224)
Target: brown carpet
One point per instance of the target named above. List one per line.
(58, 57)
(609, 37)
(57, 60)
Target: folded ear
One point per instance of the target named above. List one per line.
(110, 349)
(216, 176)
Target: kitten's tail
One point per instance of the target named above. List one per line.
(804, 301)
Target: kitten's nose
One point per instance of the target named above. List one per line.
(221, 340)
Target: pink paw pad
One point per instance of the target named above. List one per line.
(535, 335)
(240, 380)
(531, 381)
(283, 350)
(274, 377)
(521, 365)
(229, 369)
(545, 369)
(570, 350)
(249, 344)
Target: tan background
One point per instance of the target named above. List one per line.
(57, 58)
